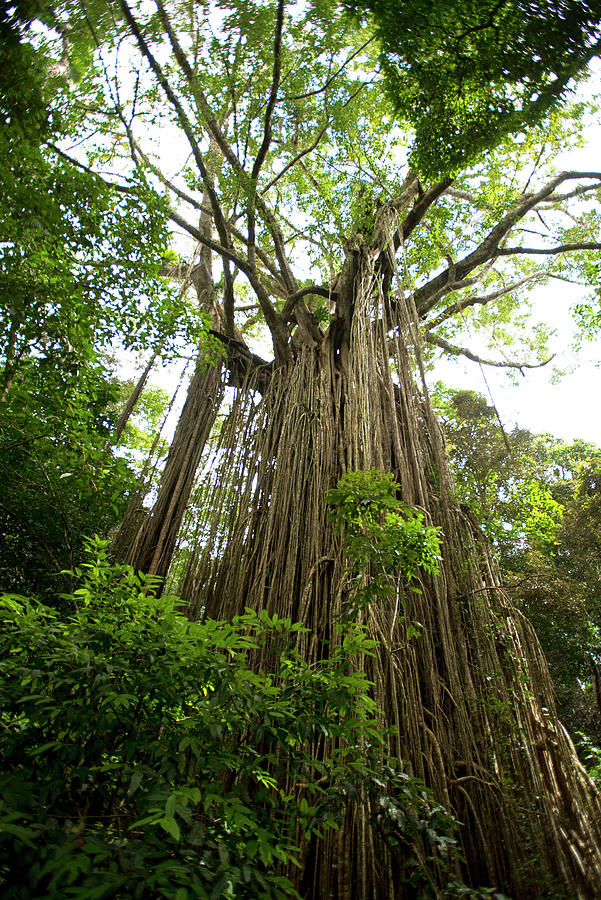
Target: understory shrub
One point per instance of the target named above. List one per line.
(141, 756)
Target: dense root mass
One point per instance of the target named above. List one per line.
(470, 698)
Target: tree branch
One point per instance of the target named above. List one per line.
(273, 94)
(123, 189)
(308, 290)
(202, 103)
(460, 305)
(454, 350)
(267, 131)
(216, 247)
(333, 77)
(294, 161)
(550, 251)
(182, 117)
(262, 256)
(428, 294)
(466, 195)
(186, 126)
(222, 143)
(420, 208)
(577, 192)
(274, 321)
(162, 178)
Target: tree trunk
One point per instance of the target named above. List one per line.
(152, 548)
(131, 403)
(469, 697)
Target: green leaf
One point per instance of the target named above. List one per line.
(169, 824)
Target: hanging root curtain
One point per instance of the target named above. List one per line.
(470, 697)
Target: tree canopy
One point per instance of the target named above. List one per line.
(466, 74)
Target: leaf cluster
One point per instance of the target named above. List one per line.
(382, 536)
(465, 74)
(143, 756)
(58, 481)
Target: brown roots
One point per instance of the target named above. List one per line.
(470, 697)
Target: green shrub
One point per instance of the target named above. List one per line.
(142, 757)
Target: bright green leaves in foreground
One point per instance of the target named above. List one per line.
(383, 537)
(465, 74)
(143, 756)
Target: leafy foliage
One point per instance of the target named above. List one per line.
(142, 755)
(505, 479)
(467, 74)
(382, 535)
(58, 481)
(538, 501)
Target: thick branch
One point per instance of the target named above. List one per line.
(183, 120)
(202, 103)
(419, 209)
(262, 256)
(308, 290)
(274, 323)
(186, 126)
(577, 192)
(246, 359)
(216, 247)
(428, 294)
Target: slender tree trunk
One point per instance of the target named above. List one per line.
(10, 366)
(596, 675)
(470, 697)
(153, 546)
(131, 403)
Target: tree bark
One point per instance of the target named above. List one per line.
(153, 546)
